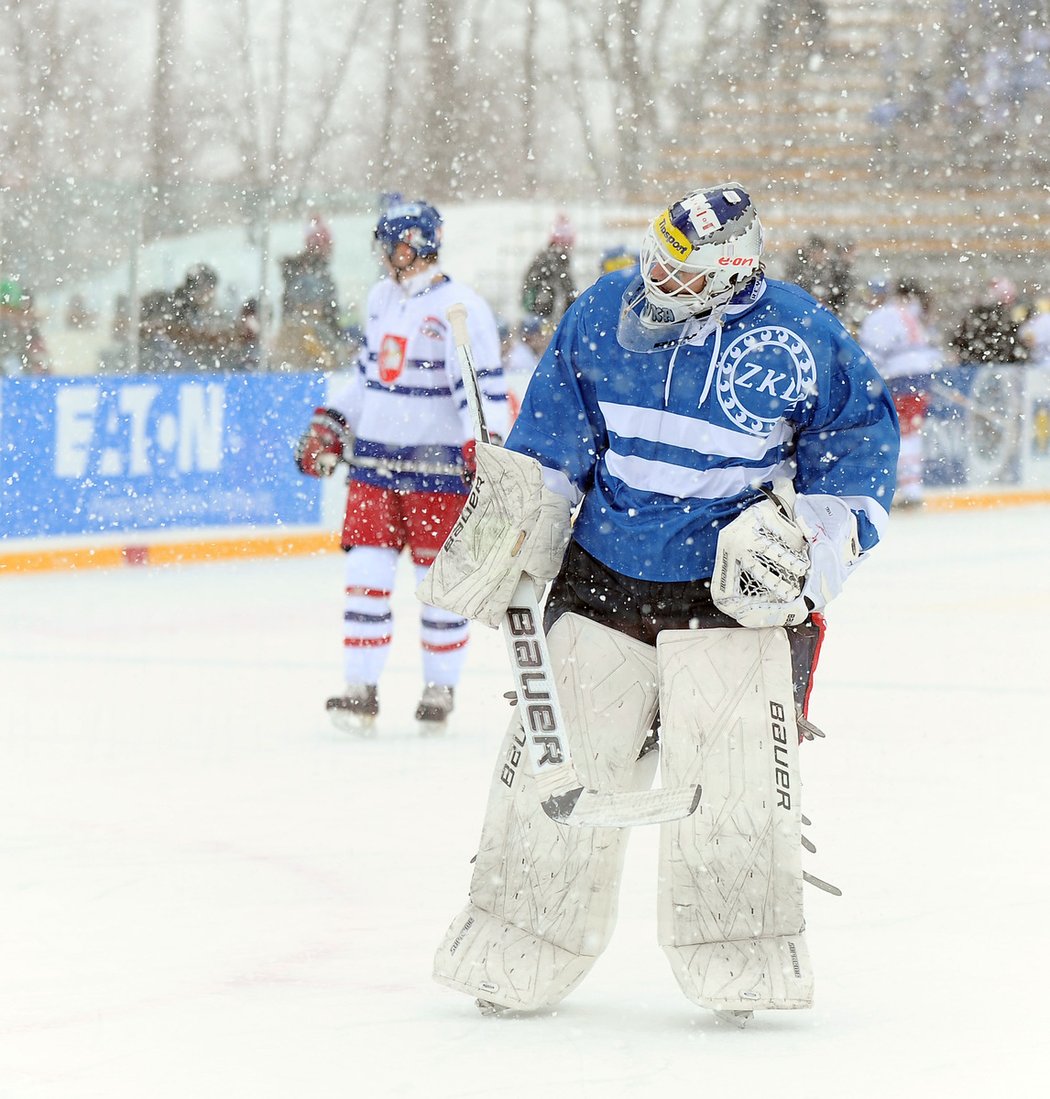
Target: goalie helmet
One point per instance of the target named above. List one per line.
(417, 224)
(699, 254)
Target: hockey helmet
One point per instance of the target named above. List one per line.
(699, 254)
(620, 258)
(417, 224)
(1001, 290)
(563, 235)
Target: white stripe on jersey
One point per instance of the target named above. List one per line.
(647, 475)
(689, 433)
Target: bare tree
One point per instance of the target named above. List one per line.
(320, 128)
(249, 132)
(389, 90)
(439, 138)
(166, 137)
(528, 98)
(63, 147)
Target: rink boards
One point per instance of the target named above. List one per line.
(104, 471)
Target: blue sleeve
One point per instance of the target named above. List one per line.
(559, 423)
(849, 448)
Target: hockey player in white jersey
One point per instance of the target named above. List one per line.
(402, 425)
(904, 348)
(729, 453)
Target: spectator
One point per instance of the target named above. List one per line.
(115, 357)
(309, 336)
(825, 270)
(158, 353)
(203, 338)
(527, 344)
(987, 331)
(79, 315)
(618, 258)
(873, 295)
(248, 336)
(521, 348)
(1035, 335)
(353, 339)
(548, 288)
(900, 342)
(22, 347)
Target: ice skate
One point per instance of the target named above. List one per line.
(434, 708)
(739, 1019)
(356, 710)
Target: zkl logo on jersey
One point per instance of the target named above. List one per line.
(392, 352)
(762, 375)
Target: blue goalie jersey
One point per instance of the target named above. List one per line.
(667, 446)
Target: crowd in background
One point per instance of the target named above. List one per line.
(997, 326)
(897, 323)
(909, 336)
(192, 328)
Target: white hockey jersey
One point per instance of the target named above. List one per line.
(405, 401)
(899, 342)
(1035, 333)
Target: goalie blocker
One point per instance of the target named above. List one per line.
(543, 896)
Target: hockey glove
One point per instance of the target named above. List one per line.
(511, 525)
(324, 444)
(830, 528)
(762, 562)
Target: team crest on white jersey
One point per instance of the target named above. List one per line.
(762, 375)
(391, 358)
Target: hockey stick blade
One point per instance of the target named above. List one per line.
(593, 809)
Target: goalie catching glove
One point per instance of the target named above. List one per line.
(324, 443)
(784, 557)
(511, 525)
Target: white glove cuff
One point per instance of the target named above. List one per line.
(830, 528)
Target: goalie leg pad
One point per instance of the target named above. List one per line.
(730, 900)
(494, 960)
(544, 895)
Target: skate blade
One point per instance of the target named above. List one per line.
(431, 728)
(362, 725)
(739, 1019)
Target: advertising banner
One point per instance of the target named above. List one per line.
(95, 455)
(987, 428)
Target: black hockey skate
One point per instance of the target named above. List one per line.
(355, 711)
(434, 708)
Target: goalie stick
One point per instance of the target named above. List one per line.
(564, 797)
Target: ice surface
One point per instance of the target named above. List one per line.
(207, 892)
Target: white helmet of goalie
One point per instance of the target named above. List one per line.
(699, 254)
